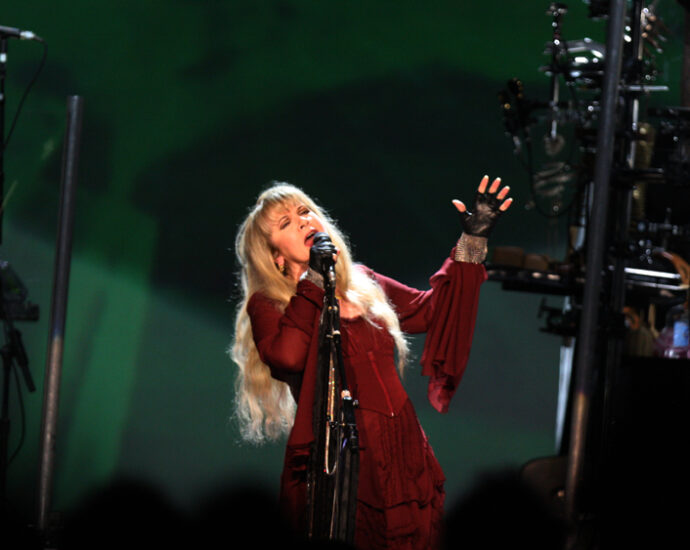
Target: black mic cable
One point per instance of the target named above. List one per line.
(13, 32)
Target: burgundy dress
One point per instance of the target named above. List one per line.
(400, 495)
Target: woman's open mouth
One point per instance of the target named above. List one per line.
(309, 240)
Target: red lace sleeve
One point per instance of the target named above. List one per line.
(447, 313)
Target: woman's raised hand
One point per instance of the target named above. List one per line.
(489, 204)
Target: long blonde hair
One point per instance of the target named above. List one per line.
(264, 406)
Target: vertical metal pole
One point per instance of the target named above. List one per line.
(623, 212)
(51, 389)
(685, 80)
(3, 102)
(596, 248)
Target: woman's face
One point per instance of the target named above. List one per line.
(292, 229)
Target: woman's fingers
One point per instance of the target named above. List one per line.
(502, 194)
(495, 185)
(460, 206)
(483, 184)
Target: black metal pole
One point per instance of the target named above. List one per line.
(51, 388)
(685, 73)
(3, 102)
(596, 248)
(5, 422)
(622, 203)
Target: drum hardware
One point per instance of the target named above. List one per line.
(14, 306)
(558, 321)
(599, 136)
(598, 9)
(654, 279)
(647, 227)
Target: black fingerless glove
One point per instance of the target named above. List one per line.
(321, 254)
(481, 221)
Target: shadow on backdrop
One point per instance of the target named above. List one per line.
(379, 155)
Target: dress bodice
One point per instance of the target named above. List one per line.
(369, 357)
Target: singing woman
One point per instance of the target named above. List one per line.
(400, 492)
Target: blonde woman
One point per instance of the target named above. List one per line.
(400, 493)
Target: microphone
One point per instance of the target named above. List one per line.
(322, 239)
(18, 33)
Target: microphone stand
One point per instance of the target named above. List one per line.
(334, 472)
(6, 351)
(3, 73)
(12, 307)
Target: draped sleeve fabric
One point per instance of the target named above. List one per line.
(287, 341)
(283, 338)
(447, 313)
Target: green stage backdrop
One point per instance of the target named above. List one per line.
(383, 110)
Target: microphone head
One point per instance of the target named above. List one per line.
(321, 237)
